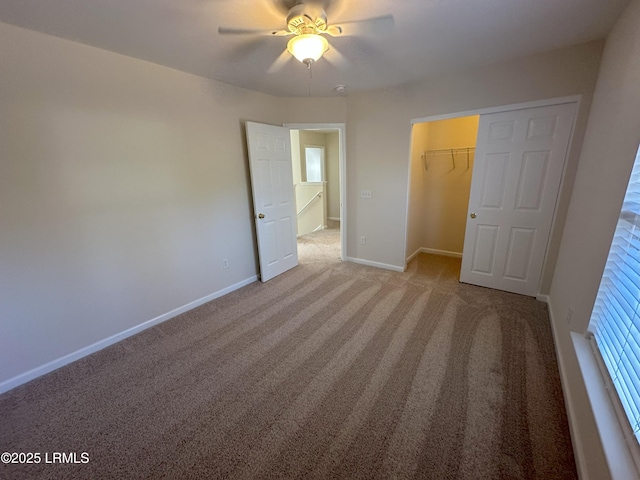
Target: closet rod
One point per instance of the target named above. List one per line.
(450, 150)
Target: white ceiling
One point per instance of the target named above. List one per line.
(428, 38)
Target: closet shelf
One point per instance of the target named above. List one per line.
(447, 151)
(450, 150)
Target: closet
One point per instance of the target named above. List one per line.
(442, 155)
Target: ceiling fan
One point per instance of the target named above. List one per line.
(307, 23)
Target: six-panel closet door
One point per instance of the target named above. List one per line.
(518, 167)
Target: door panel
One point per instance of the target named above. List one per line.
(519, 253)
(289, 245)
(269, 250)
(542, 128)
(272, 187)
(518, 167)
(485, 249)
(532, 180)
(266, 186)
(500, 131)
(493, 185)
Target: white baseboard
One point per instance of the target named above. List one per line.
(335, 219)
(445, 253)
(99, 345)
(433, 251)
(369, 263)
(413, 255)
(545, 299)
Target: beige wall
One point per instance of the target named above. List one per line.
(441, 194)
(307, 110)
(123, 185)
(608, 153)
(379, 137)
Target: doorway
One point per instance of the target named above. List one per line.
(318, 165)
(442, 156)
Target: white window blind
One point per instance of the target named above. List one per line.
(615, 320)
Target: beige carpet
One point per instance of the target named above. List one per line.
(320, 246)
(330, 371)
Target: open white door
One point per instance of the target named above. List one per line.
(273, 202)
(519, 162)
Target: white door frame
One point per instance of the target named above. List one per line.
(341, 127)
(577, 99)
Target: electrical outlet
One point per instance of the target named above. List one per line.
(225, 263)
(363, 240)
(366, 194)
(569, 315)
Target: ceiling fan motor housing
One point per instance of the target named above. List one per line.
(306, 18)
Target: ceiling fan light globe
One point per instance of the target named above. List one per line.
(307, 48)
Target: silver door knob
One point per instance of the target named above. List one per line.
(473, 215)
(261, 215)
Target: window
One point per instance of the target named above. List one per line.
(314, 161)
(615, 320)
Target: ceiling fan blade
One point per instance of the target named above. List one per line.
(280, 62)
(247, 31)
(336, 58)
(366, 26)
